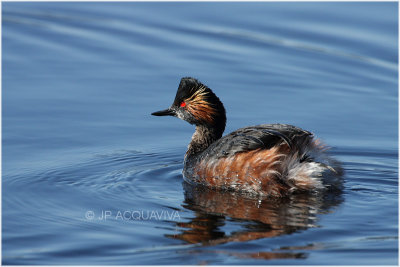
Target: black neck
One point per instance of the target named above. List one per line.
(202, 138)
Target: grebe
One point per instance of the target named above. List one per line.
(265, 160)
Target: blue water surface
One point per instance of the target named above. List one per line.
(90, 177)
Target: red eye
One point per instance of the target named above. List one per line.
(183, 104)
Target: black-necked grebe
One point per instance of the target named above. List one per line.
(267, 159)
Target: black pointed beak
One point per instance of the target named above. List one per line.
(166, 112)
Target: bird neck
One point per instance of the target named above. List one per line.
(202, 138)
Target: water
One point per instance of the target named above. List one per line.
(89, 177)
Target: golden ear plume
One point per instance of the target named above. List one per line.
(198, 105)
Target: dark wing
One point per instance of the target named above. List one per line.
(262, 136)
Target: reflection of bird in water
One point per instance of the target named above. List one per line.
(259, 218)
(265, 160)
